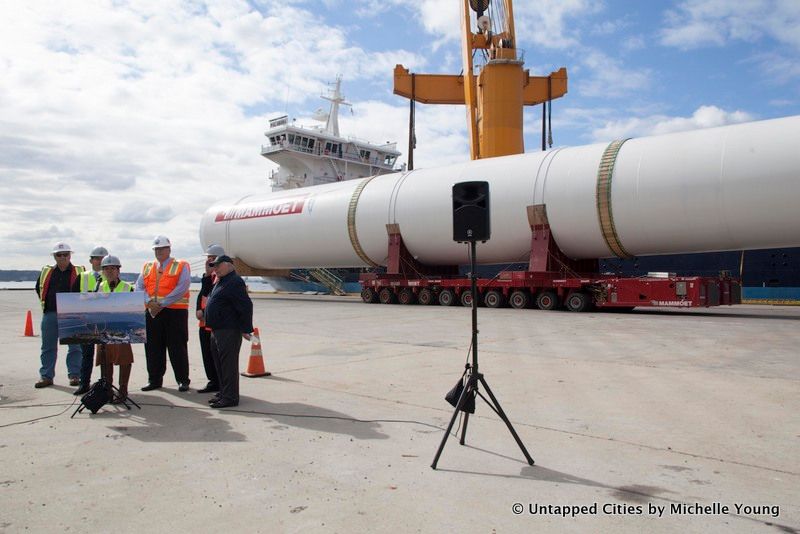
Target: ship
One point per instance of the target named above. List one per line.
(768, 276)
(315, 155)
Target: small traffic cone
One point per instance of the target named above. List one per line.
(29, 325)
(255, 367)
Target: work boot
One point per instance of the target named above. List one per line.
(74, 380)
(82, 390)
(43, 383)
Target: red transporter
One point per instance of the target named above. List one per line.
(552, 281)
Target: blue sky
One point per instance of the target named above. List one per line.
(123, 120)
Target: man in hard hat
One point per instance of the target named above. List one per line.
(89, 281)
(166, 282)
(119, 354)
(229, 314)
(63, 277)
(206, 285)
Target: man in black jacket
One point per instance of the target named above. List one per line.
(229, 314)
(206, 285)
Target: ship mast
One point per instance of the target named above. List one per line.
(494, 99)
(336, 99)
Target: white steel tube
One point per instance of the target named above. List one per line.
(729, 188)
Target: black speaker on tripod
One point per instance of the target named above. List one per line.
(471, 211)
(471, 224)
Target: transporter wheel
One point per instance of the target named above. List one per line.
(547, 300)
(369, 295)
(387, 296)
(494, 299)
(406, 296)
(466, 298)
(426, 297)
(519, 299)
(447, 297)
(579, 301)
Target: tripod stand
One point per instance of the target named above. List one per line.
(98, 400)
(474, 378)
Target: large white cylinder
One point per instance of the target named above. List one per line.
(729, 188)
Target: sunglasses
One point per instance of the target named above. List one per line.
(61, 254)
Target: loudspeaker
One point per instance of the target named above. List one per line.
(471, 211)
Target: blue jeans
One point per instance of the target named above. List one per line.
(50, 349)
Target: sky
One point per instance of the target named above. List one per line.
(121, 120)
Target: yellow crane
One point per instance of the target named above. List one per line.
(495, 97)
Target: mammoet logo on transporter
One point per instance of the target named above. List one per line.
(283, 206)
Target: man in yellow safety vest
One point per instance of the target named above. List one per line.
(59, 278)
(89, 281)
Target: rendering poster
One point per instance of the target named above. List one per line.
(101, 318)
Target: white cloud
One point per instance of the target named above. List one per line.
(696, 23)
(545, 23)
(119, 115)
(777, 68)
(703, 117)
(139, 212)
(608, 77)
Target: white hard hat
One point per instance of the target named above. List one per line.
(215, 250)
(61, 247)
(98, 252)
(161, 241)
(110, 261)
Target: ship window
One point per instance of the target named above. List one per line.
(311, 143)
(272, 140)
(304, 142)
(291, 138)
(364, 154)
(388, 160)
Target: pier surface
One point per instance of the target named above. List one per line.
(656, 420)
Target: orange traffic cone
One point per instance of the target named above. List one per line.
(255, 367)
(29, 325)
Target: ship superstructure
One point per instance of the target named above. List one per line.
(319, 154)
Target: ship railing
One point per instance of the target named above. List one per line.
(318, 151)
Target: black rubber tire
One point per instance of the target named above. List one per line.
(387, 296)
(578, 301)
(494, 299)
(369, 295)
(426, 297)
(406, 296)
(547, 300)
(447, 297)
(466, 298)
(519, 299)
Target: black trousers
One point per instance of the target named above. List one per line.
(87, 362)
(208, 360)
(167, 331)
(225, 345)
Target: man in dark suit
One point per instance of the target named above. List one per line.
(229, 314)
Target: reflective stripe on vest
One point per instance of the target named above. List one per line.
(203, 300)
(160, 284)
(44, 280)
(122, 287)
(88, 281)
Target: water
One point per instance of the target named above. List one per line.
(17, 285)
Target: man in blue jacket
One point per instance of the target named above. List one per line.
(229, 314)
